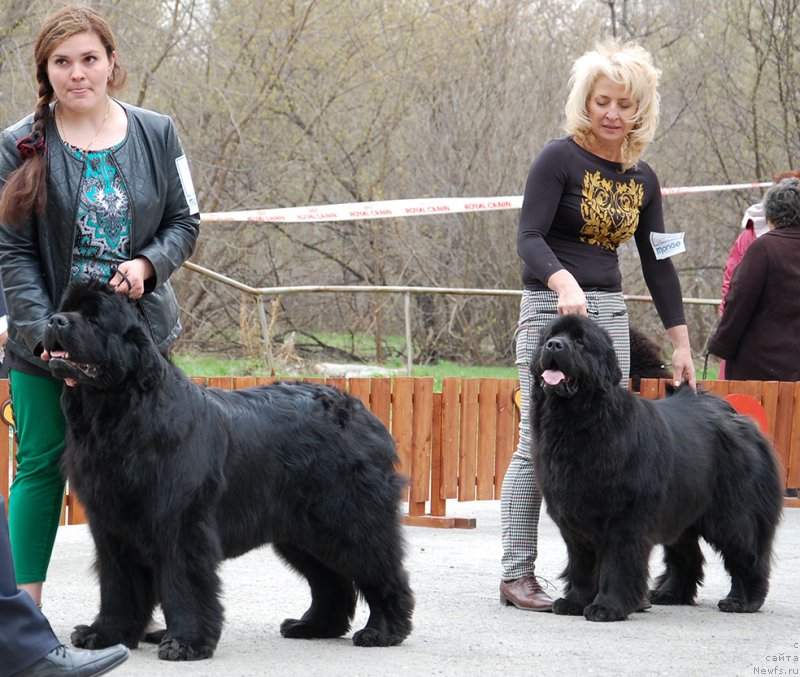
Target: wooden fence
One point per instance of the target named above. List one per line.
(457, 443)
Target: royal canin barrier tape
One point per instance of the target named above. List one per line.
(386, 209)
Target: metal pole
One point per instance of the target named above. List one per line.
(262, 318)
(409, 346)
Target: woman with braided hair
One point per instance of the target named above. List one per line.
(91, 187)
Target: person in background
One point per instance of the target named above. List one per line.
(758, 333)
(91, 187)
(753, 225)
(586, 194)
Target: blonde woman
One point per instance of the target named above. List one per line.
(586, 194)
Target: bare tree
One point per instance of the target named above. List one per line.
(294, 102)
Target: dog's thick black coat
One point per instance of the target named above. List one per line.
(620, 474)
(647, 361)
(175, 478)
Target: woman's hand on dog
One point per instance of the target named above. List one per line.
(130, 277)
(571, 298)
(682, 362)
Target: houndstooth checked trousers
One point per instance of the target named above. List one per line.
(520, 500)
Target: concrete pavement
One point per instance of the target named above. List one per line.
(460, 627)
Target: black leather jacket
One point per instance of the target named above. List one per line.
(35, 258)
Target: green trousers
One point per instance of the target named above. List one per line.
(37, 492)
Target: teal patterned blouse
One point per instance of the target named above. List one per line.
(103, 233)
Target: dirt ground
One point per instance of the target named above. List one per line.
(459, 626)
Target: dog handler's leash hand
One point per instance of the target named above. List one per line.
(684, 368)
(124, 281)
(129, 277)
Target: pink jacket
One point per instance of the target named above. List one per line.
(753, 225)
(745, 239)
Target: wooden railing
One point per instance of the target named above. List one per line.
(457, 443)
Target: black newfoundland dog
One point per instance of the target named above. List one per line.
(647, 360)
(620, 474)
(175, 478)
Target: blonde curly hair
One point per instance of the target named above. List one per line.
(627, 64)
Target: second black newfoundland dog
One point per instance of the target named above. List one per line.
(175, 478)
(620, 474)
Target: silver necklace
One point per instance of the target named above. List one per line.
(99, 129)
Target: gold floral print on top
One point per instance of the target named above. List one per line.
(610, 210)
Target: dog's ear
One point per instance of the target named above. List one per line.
(601, 346)
(616, 372)
(610, 365)
(144, 355)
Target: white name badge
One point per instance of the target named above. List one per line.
(667, 244)
(182, 165)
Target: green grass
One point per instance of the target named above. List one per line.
(445, 369)
(362, 344)
(358, 344)
(210, 366)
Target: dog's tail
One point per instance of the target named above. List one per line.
(750, 456)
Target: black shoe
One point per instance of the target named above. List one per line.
(77, 662)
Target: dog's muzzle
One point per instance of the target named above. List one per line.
(552, 377)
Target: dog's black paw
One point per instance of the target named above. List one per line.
(173, 649)
(294, 628)
(565, 607)
(102, 634)
(602, 614)
(84, 637)
(662, 597)
(665, 597)
(373, 637)
(735, 605)
(95, 637)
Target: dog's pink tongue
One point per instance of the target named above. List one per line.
(553, 376)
